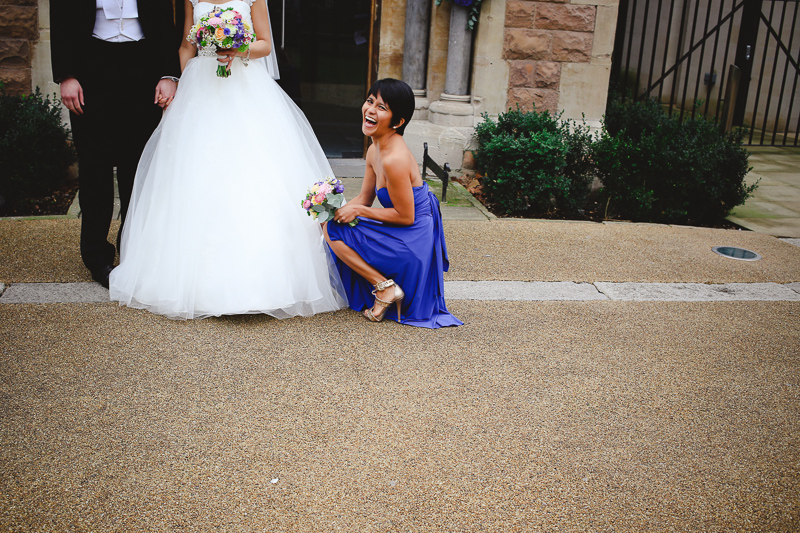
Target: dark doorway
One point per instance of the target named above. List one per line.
(323, 55)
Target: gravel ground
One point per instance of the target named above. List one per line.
(536, 250)
(551, 416)
(47, 251)
(42, 251)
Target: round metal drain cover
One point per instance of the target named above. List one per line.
(736, 253)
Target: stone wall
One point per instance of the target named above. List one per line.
(19, 31)
(559, 55)
(490, 70)
(552, 55)
(41, 69)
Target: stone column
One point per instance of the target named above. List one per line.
(415, 47)
(415, 53)
(458, 53)
(454, 107)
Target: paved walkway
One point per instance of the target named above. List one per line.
(573, 238)
(774, 208)
(609, 377)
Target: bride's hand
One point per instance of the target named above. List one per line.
(226, 55)
(165, 92)
(346, 214)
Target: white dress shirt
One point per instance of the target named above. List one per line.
(117, 21)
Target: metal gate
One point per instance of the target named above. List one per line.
(692, 55)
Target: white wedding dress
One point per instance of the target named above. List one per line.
(215, 225)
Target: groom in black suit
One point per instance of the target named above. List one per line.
(117, 66)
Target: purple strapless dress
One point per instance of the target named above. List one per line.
(414, 256)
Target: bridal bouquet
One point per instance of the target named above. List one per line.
(222, 28)
(323, 199)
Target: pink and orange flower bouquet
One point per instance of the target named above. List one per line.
(323, 199)
(224, 29)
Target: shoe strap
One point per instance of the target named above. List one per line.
(382, 285)
(382, 303)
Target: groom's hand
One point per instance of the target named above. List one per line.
(165, 93)
(72, 95)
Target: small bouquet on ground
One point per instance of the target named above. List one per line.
(323, 199)
(223, 29)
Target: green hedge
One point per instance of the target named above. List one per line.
(652, 167)
(534, 164)
(35, 152)
(655, 168)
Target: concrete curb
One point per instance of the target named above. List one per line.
(521, 290)
(474, 201)
(698, 292)
(525, 291)
(45, 293)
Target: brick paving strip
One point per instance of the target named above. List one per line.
(90, 292)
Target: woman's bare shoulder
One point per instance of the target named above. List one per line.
(400, 156)
(397, 168)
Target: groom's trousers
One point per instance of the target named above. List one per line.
(118, 118)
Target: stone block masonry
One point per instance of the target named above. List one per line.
(540, 39)
(564, 17)
(19, 30)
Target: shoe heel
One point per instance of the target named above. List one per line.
(369, 314)
(400, 298)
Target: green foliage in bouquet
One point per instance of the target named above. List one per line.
(655, 168)
(534, 164)
(35, 152)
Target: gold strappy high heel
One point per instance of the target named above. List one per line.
(398, 298)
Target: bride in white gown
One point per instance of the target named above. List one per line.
(215, 225)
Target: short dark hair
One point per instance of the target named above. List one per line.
(399, 97)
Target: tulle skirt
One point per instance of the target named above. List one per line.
(215, 224)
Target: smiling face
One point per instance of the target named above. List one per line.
(376, 116)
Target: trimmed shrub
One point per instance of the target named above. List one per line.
(655, 168)
(35, 152)
(534, 164)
